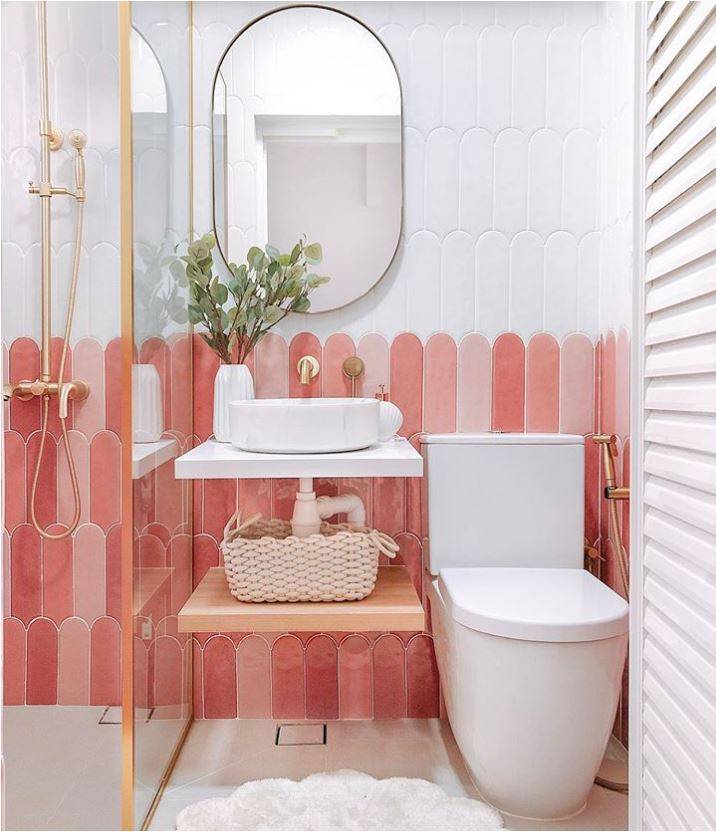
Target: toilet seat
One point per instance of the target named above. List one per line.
(558, 605)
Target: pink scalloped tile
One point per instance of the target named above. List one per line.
(622, 384)
(42, 662)
(304, 344)
(205, 555)
(167, 671)
(179, 556)
(337, 349)
(220, 685)
(113, 555)
(73, 685)
(508, 406)
(389, 504)
(26, 573)
(414, 485)
(254, 677)
(89, 365)
(441, 369)
(205, 363)
(113, 386)
(24, 366)
(373, 349)
(283, 496)
(140, 666)
(474, 381)
(53, 421)
(180, 419)
(65, 497)
(422, 686)
(406, 388)
(389, 678)
(322, 683)
(105, 662)
(15, 495)
(14, 661)
(46, 494)
(608, 384)
(542, 384)
(57, 577)
(287, 678)
(410, 555)
(197, 680)
(271, 375)
(355, 678)
(220, 502)
(577, 384)
(255, 497)
(105, 479)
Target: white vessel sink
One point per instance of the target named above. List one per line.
(304, 426)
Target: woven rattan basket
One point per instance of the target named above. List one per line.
(265, 562)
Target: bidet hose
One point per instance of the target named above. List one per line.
(79, 181)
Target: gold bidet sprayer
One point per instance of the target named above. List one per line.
(44, 386)
(613, 494)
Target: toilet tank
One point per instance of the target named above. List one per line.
(505, 499)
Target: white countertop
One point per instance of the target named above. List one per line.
(219, 460)
(146, 456)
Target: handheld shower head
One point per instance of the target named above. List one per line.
(77, 139)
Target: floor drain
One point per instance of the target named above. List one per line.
(301, 733)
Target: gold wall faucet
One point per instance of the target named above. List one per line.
(307, 368)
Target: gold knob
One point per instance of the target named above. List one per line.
(308, 368)
(353, 367)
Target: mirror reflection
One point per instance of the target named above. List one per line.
(307, 141)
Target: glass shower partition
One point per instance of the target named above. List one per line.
(160, 44)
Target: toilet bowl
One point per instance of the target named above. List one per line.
(530, 646)
(530, 662)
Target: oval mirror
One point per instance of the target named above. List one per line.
(306, 130)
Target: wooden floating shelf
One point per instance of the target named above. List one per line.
(393, 605)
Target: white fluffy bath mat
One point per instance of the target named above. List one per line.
(339, 800)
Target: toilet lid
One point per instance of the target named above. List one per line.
(533, 604)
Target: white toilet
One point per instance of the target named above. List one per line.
(530, 646)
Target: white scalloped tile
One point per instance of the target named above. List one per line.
(414, 185)
(460, 79)
(494, 81)
(441, 198)
(580, 183)
(561, 267)
(475, 180)
(563, 67)
(510, 181)
(458, 284)
(526, 283)
(545, 166)
(423, 267)
(492, 284)
(422, 101)
(588, 287)
(528, 79)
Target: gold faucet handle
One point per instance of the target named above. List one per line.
(308, 368)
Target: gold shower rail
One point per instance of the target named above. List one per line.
(44, 387)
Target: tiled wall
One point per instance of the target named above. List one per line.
(503, 137)
(61, 599)
(544, 385)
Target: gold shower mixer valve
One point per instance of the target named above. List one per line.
(26, 390)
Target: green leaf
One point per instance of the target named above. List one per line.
(314, 280)
(285, 259)
(272, 314)
(295, 253)
(196, 316)
(272, 252)
(220, 293)
(301, 304)
(313, 253)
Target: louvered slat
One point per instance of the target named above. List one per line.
(673, 571)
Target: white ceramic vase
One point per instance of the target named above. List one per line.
(233, 383)
(147, 416)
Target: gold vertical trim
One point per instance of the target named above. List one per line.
(127, 341)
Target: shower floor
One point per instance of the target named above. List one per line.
(61, 767)
(220, 755)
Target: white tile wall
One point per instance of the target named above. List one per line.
(512, 146)
(84, 93)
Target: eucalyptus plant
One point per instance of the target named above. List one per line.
(257, 294)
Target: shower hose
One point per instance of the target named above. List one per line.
(47, 535)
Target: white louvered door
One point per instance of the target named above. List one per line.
(673, 576)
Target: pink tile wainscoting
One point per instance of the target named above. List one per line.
(473, 385)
